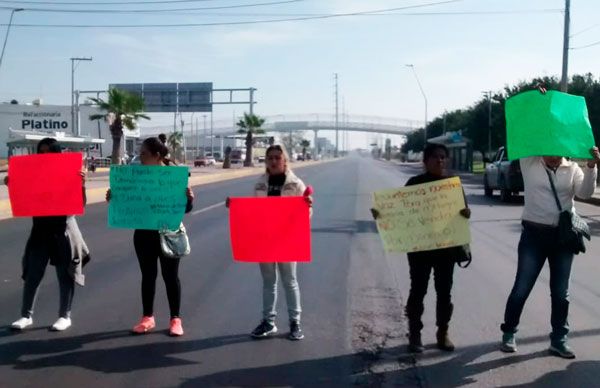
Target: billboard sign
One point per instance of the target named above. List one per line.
(172, 97)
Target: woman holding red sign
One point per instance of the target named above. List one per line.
(279, 180)
(147, 247)
(54, 239)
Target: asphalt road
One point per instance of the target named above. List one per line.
(352, 296)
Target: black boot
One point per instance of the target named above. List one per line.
(443, 341)
(415, 345)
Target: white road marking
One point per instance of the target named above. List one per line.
(216, 205)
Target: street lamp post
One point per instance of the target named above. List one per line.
(424, 97)
(74, 114)
(12, 12)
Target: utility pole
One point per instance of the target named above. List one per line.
(12, 13)
(488, 94)
(75, 112)
(336, 117)
(564, 81)
(424, 98)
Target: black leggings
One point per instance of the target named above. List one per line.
(147, 248)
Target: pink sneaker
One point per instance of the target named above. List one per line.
(175, 329)
(145, 325)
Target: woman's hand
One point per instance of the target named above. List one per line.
(375, 213)
(83, 174)
(466, 212)
(596, 157)
(189, 194)
(308, 199)
(108, 195)
(6, 180)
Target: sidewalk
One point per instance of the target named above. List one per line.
(97, 183)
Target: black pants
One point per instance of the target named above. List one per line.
(420, 269)
(38, 252)
(147, 248)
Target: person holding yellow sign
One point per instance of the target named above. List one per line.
(421, 263)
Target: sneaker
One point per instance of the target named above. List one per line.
(509, 345)
(296, 333)
(415, 345)
(21, 323)
(561, 349)
(61, 324)
(443, 341)
(175, 328)
(145, 325)
(264, 330)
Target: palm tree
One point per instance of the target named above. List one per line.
(305, 144)
(122, 110)
(175, 144)
(227, 159)
(250, 125)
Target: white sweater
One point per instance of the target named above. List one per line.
(570, 181)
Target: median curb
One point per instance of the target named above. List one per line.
(97, 194)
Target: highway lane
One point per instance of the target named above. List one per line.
(352, 296)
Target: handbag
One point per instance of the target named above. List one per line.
(462, 255)
(174, 244)
(571, 227)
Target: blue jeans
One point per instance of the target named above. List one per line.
(537, 244)
(290, 284)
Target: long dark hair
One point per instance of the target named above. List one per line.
(53, 146)
(155, 146)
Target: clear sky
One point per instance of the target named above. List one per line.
(458, 49)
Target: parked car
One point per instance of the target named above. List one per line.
(237, 157)
(504, 175)
(204, 161)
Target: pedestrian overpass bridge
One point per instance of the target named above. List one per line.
(326, 122)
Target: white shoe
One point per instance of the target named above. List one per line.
(61, 324)
(21, 323)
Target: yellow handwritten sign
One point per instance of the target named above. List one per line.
(422, 217)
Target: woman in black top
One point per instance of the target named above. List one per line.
(48, 242)
(147, 247)
(441, 261)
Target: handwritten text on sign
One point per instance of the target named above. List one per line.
(147, 197)
(422, 217)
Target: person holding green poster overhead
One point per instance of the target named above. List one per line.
(147, 247)
(549, 181)
(441, 261)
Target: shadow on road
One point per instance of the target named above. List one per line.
(347, 227)
(454, 372)
(119, 359)
(566, 377)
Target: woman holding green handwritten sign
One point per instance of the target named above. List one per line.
(421, 263)
(147, 247)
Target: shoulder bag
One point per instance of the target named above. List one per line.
(571, 227)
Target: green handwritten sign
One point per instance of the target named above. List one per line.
(147, 197)
(422, 217)
(551, 124)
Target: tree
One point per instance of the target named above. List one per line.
(292, 140)
(227, 159)
(175, 144)
(250, 125)
(305, 144)
(122, 110)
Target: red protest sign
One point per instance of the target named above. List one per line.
(45, 184)
(269, 229)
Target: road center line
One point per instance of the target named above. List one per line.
(216, 205)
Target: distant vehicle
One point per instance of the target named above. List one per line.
(504, 175)
(204, 161)
(300, 158)
(217, 156)
(136, 160)
(237, 157)
(260, 159)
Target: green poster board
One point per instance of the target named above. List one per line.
(551, 124)
(147, 197)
